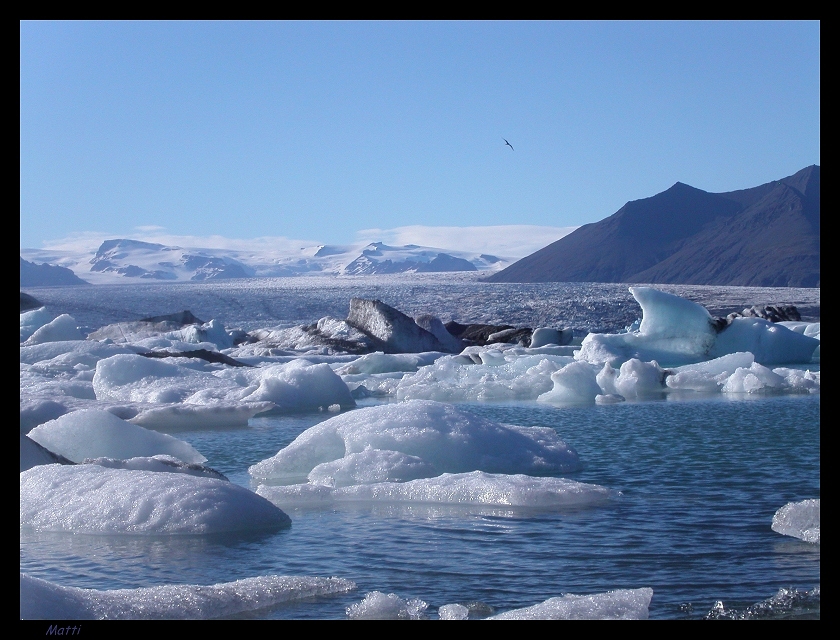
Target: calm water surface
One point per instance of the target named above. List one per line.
(700, 482)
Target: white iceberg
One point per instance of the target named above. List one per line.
(675, 331)
(44, 600)
(441, 436)
(94, 433)
(381, 606)
(93, 499)
(800, 520)
(64, 327)
(298, 385)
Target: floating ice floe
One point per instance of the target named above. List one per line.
(424, 452)
(64, 327)
(408, 440)
(675, 331)
(800, 520)
(787, 604)
(621, 604)
(474, 488)
(94, 499)
(193, 394)
(32, 320)
(676, 347)
(387, 606)
(93, 433)
(43, 600)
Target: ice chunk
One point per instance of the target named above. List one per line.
(573, 384)
(637, 379)
(90, 498)
(31, 321)
(43, 600)
(456, 489)
(621, 604)
(770, 343)
(453, 612)
(673, 331)
(433, 325)
(756, 378)
(64, 327)
(369, 466)
(448, 438)
(478, 374)
(710, 375)
(545, 335)
(800, 520)
(94, 433)
(298, 385)
(381, 606)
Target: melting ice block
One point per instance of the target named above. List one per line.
(675, 331)
(298, 385)
(93, 499)
(430, 437)
(800, 520)
(64, 327)
(43, 600)
(475, 488)
(769, 342)
(621, 604)
(381, 606)
(93, 433)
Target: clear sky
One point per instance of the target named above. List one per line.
(322, 130)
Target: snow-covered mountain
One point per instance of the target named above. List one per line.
(125, 260)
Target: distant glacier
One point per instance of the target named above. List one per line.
(124, 260)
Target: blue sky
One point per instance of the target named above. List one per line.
(323, 130)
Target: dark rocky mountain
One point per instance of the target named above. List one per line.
(46, 275)
(765, 236)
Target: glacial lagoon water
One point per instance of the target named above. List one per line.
(700, 477)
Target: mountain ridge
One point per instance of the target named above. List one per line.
(760, 236)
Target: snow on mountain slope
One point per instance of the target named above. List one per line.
(125, 260)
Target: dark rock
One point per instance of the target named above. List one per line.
(202, 354)
(27, 302)
(181, 318)
(773, 313)
(482, 334)
(391, 330)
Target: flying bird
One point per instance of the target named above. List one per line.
(508, 144)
